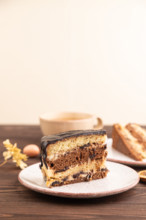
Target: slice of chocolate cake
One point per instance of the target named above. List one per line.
(127, 143)
(73, 156)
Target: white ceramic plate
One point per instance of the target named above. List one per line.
(116, 156)
(119, 179)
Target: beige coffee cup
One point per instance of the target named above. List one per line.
(53, 123)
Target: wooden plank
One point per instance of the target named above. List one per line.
(18, 202)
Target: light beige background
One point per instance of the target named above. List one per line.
(73, 55)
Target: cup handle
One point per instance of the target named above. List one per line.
(99, 124)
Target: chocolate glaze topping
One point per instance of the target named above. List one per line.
(51, 139)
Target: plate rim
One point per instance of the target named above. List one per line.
(132, 163)
(78, 195)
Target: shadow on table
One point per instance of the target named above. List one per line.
(122, 197)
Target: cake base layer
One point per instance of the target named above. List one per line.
(81, 177)
(86, 171)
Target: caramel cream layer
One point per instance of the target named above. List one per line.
(61, 147)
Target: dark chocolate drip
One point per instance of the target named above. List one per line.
(55, 183)
(43, 154)
(92, 155)
(76, 175)
(85, 145)
(87, 178)
(62, 170)
(105, 147)
(41, 161)
(103, 169)
(89, 175)
(66, 178)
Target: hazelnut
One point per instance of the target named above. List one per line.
(31, 150)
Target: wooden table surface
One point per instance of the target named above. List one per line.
(18, 202)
